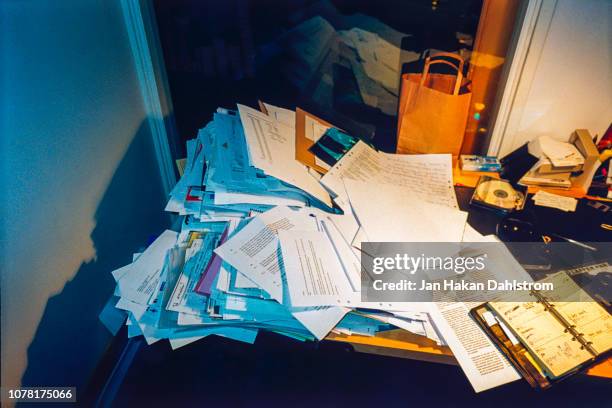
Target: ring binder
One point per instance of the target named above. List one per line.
(568, 326)
(542, 357)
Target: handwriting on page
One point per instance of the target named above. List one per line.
(580, 310)
(429, 176)
(543, 334)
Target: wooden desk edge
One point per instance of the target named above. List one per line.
(403, 344)
(398, 343)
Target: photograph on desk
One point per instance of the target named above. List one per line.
(306, 203)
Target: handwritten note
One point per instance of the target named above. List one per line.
(429, 177)
(546, 199)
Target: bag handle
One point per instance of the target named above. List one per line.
(450, 55)
(459, 68)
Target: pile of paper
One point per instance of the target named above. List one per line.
(230, 175)
(260, 247)
(263, 247)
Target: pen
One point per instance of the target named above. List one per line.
(572, 241)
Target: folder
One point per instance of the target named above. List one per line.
(308, 129)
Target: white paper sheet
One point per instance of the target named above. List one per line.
(315, 276)
(319, 320)
(482, 363)
(140, 282)
(471, 235)
(254, 250)
(428, 177)
(283, 115)
(341, 237)
(242, 282)
(271, 146)
(546, 199)
(560, 153)
(196, 259)
(398, 215)
(313, 130)
(225, 198)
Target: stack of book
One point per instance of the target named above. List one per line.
(558, 161)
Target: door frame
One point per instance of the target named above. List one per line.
(528, 44)
(141, 26)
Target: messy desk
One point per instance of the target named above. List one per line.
(254, 253)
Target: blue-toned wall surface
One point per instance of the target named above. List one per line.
(80, 183)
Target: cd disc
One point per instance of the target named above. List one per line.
(497, 193)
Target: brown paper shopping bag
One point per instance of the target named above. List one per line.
(432, 110)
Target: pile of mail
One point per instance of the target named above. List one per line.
(268, 244)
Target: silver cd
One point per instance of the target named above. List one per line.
(497, 193)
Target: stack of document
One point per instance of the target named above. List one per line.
(261, 246)
(230, 174)
(268, 244)
(557, 161)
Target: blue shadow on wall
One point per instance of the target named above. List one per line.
(70, 339)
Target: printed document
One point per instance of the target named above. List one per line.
(315, 276)
(271, 146)
(139, 283)
(483, 364)
(254, 250)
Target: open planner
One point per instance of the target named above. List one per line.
(551, 335)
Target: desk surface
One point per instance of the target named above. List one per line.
(395, 343)
(400, 343)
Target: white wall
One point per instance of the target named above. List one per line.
(80, 185)
(571, 86)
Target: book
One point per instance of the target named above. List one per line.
(560, 180)
(551, 336)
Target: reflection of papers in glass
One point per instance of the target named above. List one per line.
(381, 60)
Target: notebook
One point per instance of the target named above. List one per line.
(551, 335)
